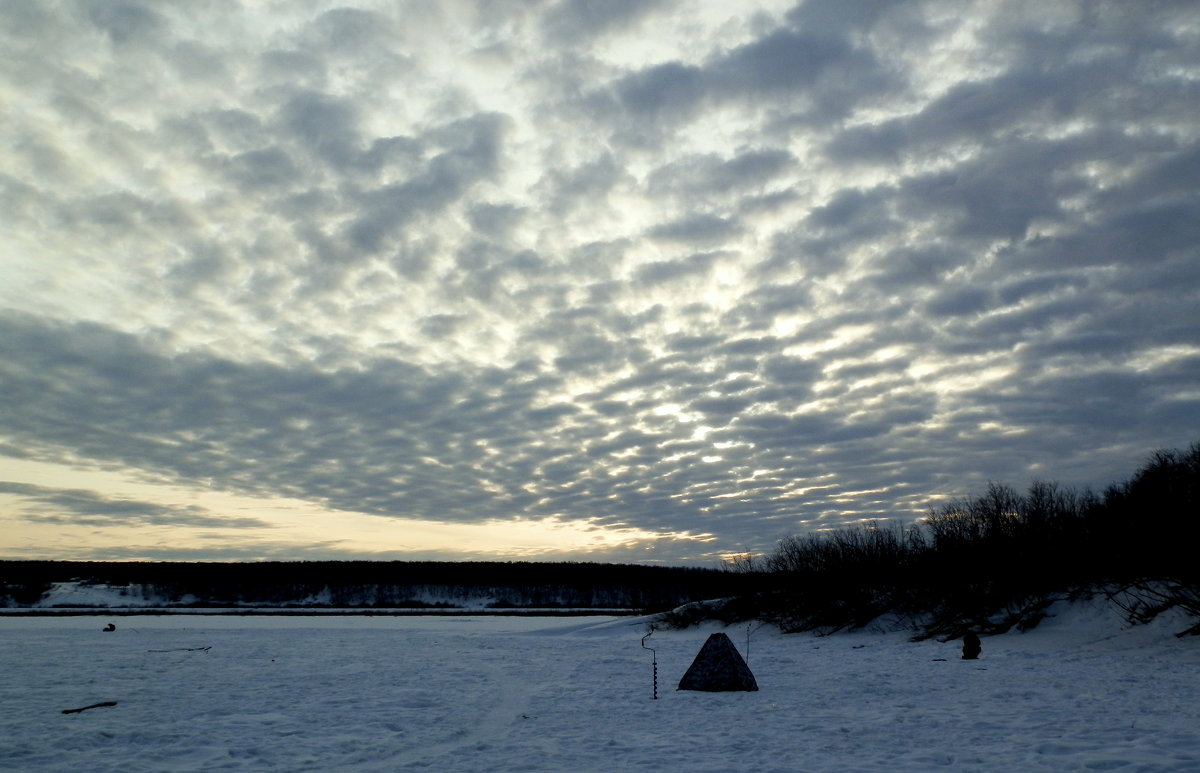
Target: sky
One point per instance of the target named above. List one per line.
(593, 280)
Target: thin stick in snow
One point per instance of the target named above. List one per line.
(93, 706)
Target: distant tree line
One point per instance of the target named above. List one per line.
(987, 563)
(378, 584)
(991, 562)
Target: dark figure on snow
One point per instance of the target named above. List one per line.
(971, 646)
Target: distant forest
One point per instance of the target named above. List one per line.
(992, 562)
(987, 563)
(379, 584)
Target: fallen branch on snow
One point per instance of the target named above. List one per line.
(93, 706)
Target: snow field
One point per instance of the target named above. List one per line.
(1080, 693)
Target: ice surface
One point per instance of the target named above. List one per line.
(1081, 692)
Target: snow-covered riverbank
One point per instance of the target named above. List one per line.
(1081, 692)
(88, 598)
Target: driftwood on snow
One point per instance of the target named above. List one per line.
(93, 706)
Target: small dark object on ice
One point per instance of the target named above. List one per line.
(93, 706)
(718, 667)
(109, 628)
(971, 646)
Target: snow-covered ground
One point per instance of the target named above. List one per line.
(1081, 692)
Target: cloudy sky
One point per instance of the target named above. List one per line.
(581, 279)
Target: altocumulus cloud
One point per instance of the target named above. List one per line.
(685, 268)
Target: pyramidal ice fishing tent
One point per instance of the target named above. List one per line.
(718, 667)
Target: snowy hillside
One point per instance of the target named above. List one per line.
(75, 594)
(1082, 692)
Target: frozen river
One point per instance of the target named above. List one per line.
(197, 693)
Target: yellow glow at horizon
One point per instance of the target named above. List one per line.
(288, 523)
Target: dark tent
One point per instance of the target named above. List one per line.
(718, 667)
